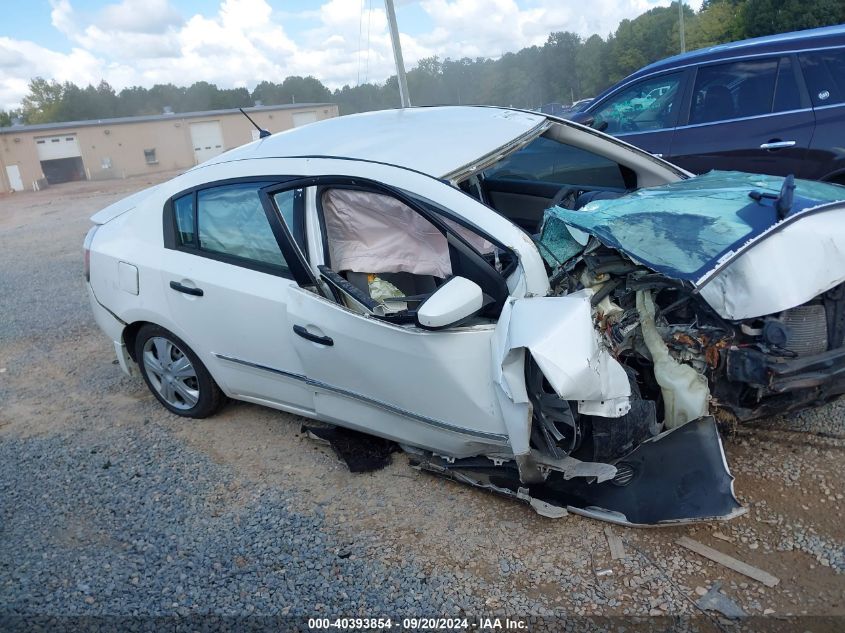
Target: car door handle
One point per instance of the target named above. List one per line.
(775, 144)
(322, 340)
(197, 292)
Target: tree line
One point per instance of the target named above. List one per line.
(565, 68)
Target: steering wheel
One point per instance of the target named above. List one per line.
(565, 197)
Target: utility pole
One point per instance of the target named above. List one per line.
(404, 97)
(681, 26)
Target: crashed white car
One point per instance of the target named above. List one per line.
(525, 304)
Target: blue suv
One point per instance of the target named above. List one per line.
(772, 105)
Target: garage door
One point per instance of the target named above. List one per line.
(304, 118)
(57, 147)
(207, 138)
(61, 158)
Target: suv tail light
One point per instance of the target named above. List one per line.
(86, 250)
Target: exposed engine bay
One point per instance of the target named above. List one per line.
(684, 359)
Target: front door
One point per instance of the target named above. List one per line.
(394, 379)
(430, 389)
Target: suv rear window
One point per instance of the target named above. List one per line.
(825, 75)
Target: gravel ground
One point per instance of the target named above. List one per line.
(110, 505)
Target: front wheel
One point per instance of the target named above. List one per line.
(175, 374)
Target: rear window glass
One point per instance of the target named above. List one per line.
(824, 72)
(547, 160)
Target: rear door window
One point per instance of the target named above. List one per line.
(733, 91)
(788, 95)
(824, 72)
(232, 222)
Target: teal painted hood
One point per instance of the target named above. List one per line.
(684, 229)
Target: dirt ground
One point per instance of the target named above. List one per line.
(57, 373)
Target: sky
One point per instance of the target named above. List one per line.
(235, 43)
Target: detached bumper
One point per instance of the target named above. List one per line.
(680, 476)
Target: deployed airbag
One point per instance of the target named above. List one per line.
(374, 233)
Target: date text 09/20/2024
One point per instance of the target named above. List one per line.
(445, 624)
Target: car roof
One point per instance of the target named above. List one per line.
(433, 140)
(783, 42)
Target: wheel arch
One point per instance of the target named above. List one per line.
(130, 336)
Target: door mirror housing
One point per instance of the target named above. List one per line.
(454, 302)
(584, 118)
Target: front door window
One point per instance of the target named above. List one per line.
(647, 105)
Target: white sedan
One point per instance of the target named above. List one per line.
(525, 304)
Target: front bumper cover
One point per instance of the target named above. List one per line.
(680, 476)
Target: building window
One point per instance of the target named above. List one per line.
(150, 156)
(106, 163)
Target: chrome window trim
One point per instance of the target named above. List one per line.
(660, 129)
(496, 437)
(744, 118)
(830, 106)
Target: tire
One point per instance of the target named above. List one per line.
(175, 375)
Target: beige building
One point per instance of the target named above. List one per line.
(34, 155)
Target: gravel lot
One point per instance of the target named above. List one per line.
(110, 505)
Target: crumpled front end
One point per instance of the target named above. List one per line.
(720, 303)
(583, 437)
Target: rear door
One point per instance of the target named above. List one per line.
(643, 113)
(824, 72)
(749, 115)
(228, 287)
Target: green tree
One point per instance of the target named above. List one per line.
(766, 17)
(42, 103)
(716, 23)
(5, 119)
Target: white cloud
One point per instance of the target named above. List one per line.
(143, 42)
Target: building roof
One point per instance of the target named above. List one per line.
(63, 125)
(431, 140)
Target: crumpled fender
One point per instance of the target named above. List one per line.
(559, 334)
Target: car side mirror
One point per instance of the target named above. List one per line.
(584, 118)
(455, 301)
